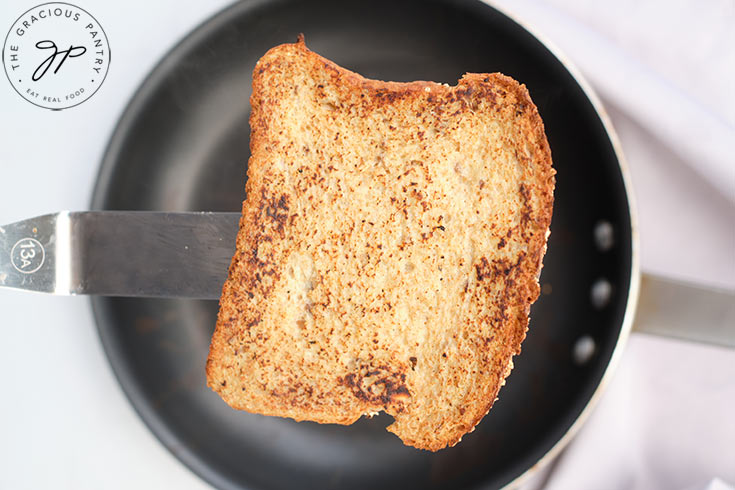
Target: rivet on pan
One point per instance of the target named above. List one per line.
(584, 349)
(604, 236)
(600, 293)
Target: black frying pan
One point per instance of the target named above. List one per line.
(182, 145)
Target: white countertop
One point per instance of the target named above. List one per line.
(65, 422)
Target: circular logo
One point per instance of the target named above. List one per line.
(56, 55)
(27, 255)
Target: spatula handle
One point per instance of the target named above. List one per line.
(34, 254)
(120, 253)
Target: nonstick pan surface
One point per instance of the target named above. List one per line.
(182, 145)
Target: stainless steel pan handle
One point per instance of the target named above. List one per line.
(686, 311)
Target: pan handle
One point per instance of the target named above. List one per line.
(686, 311)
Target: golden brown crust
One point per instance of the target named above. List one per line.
(306, 333)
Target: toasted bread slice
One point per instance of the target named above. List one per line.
(389, 248)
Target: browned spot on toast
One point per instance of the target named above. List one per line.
(377, 387)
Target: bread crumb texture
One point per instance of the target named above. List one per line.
(389, 248)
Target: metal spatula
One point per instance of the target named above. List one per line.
(186, 255)
(120, 253)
